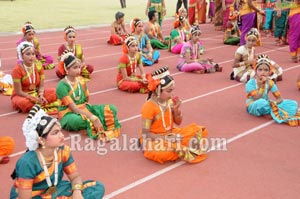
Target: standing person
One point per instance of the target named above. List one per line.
(281, 25)
(153, 30)
(71, 46)
(218, 15)
(248, 15)
(149, 56)
(159, 6)
(28, 79)
(298, 81)
(189, 60)
(123, 3)
(39, 172)
(197, 12)
(127, 78)
(181, 3)
(75, 113)
(7, 146)
(118, 30)
(162, 142)
(294, 31)
(227, 6)
(269, 9)
(258, 102)
(211, 11)
(29, 35)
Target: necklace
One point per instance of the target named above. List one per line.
(71, 49)
(73, 92)
(250, 53)
(167, 128)
(155, 29)
(182, 34)
(132, 62)
(195, 50)
(139, 39)
(51, 189)
(31, 81)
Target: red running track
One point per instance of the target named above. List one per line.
(261, 157)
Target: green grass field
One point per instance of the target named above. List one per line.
(53, 14)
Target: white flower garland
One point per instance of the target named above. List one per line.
(19, 48)
(29, 130)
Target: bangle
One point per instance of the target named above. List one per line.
(93, 118)
(261, 90)
(77, 186)
(41, 93)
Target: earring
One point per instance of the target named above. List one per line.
(43, 146)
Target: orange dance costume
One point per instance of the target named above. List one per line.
(159, 114)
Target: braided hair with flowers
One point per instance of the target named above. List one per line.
(159, 80)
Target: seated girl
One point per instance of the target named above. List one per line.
(75, 113)
(153, 31)
(118, 30)
(71, 46)
(6, 83)
(161, 141)
(276, 71)
(189, 60)
(245, 59)
(149, 56)
(258, 102)
(182, 12)
(29, 35)
(232, 31)
(127, 79)
(28, 79)
(179, 35)
(39, 172)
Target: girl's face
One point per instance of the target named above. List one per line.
(139, 28)
(183, 13)
(55, 137)
(155, 16)
(29, 36)
(166, 94)
(250, 41)
(120, 20)
(74, 70)
(133, 48)
(28, 57)
(71, 37)
(196, 37)
(263, 71)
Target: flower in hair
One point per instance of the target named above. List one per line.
(22, 47)
(29, 127)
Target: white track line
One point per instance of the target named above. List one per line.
(178, 164)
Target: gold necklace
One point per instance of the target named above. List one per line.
(51, 189)
(31, 82)
(73, 91)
